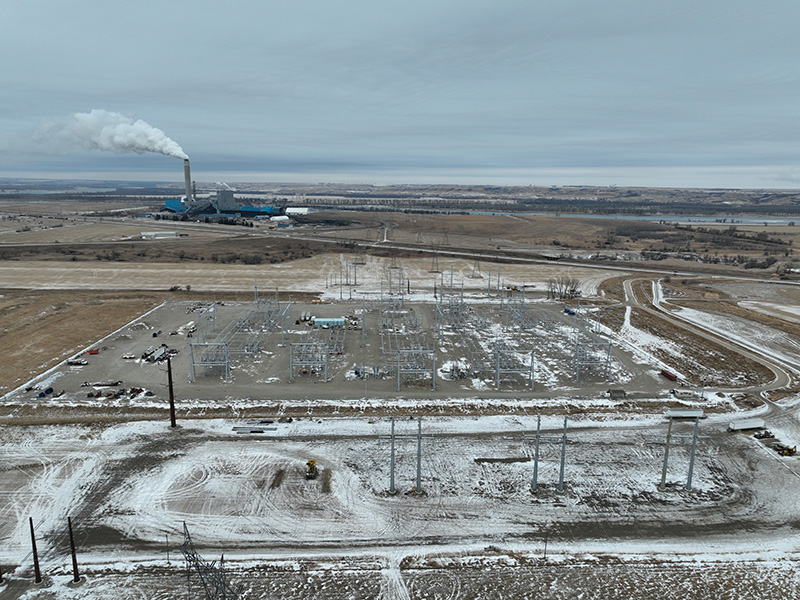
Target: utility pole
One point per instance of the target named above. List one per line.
(692, 455)
(391, 465)
(75, 576)
(418, 489)
(36, 571)
(172, 422)
(535, 483)
(663, 483)
(691, 459)
(563, 457)
(554, 440)
(363, 320)
(393, 437)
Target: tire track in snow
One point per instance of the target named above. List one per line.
(393, 586)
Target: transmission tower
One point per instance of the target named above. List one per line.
(476, 270)
(435, 262)
(212, 577)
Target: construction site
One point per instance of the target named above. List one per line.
(378, 423)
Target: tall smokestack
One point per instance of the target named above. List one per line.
(187, 180)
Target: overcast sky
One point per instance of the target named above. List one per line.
(679, 93)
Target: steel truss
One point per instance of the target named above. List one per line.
(310, 357)
(210, 356)
(243, 337)
(207, 322)
(414, 366)
(212, 576)
(509, 361)
(592, 355)
(403, 345)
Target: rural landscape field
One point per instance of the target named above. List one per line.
(497, 399)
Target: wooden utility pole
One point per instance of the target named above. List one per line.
(172, 422)
(36, 571)
(75, 576)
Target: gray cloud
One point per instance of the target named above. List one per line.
(379, 90)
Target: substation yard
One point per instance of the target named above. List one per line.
(474, 528)
(264, 349)
(491, 356)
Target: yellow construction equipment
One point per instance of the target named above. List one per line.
(784, 450)
(311, 469)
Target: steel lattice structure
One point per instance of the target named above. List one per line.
(242, 337)
(212, 576)
(591, 353)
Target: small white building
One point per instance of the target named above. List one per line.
(159, 235)
(297, 210)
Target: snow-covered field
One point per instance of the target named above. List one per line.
(129, 486)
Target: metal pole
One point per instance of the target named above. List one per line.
(535, 482)
(363, 320)
(433, 374)
(533, 366)
(691, 458)
(75, 576)
(171, 394)
(166, 535)
(391, 464)
(497, 369)
(284, 321)
(419, 456)
(563, 457)
(291, 362)
(663, 483)
(37, 572)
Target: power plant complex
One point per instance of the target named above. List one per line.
(220, 202)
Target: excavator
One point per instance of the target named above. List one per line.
(311, 469)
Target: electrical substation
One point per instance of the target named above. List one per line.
(382, 336)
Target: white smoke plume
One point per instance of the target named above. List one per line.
(105, 130)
